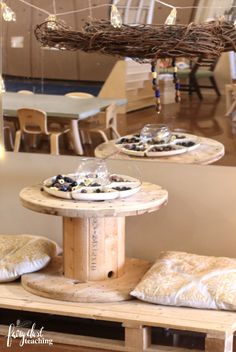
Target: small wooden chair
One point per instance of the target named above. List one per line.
(34, 122)
(202, 68)
(109, 125)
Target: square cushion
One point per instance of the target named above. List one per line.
(183, 279)
(21, 254)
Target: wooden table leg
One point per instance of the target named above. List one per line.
(94, 248)
(76, 137)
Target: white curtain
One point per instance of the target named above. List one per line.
(202, 14)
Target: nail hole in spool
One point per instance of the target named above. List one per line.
(110, 274)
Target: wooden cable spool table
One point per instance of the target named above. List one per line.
(207, 153)
(94, 268)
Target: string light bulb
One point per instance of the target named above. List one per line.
(171, 19)
(7, 13)
(116, 20)
(52, 22)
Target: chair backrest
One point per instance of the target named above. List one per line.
(32, 121)
(111, 116)
(79, 95)
(25, 92)
(205, 64)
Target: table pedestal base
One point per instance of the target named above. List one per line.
(51, 283)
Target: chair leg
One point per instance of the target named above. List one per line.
(114, 132)
(54, 143)
(103, 135)
(196, 87)
(190, 89)
(85, 137)
(17, 141)
(34, 140)
(214, 85)
(7, 130)
(88, 138)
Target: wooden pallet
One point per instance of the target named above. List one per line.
(136, 317)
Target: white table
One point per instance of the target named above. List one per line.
(60, 107)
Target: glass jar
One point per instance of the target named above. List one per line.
(94, 170)
(156, 132)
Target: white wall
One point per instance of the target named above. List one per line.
(200, 216)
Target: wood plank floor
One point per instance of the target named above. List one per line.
(204, 118)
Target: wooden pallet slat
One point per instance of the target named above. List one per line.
(136, 317)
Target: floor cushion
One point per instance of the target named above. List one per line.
(20, 254)
(183, 279)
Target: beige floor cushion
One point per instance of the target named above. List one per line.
(183, 279)
(20, 254)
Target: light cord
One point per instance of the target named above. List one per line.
(110, 5)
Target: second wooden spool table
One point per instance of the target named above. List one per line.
(94, 268)
(208, 152)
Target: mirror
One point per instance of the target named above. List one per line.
(26, 66)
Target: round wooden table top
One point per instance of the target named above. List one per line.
(150, 198)
(208, 152)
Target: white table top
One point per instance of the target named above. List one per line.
(56, 105)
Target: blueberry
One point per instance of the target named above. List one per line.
(83, 191)
(63, 188)
(98, 190)
(56, 184)
(68, 179)
(74, 184)
(59, 177)
(95, 184)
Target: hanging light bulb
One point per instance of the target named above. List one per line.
(116, 20)
(171, 19)
(52, 22)
(7, 13)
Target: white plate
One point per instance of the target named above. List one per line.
(131, 182)
(58, 193)
(111, 194)
(128, 181)
(177, 150)
(189, 149)
(133, 152)
(130, 192)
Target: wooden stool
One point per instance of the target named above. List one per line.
(94, 268)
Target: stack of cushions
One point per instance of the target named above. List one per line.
(182, 279)
(21, 254)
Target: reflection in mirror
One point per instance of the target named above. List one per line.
(31, 70)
